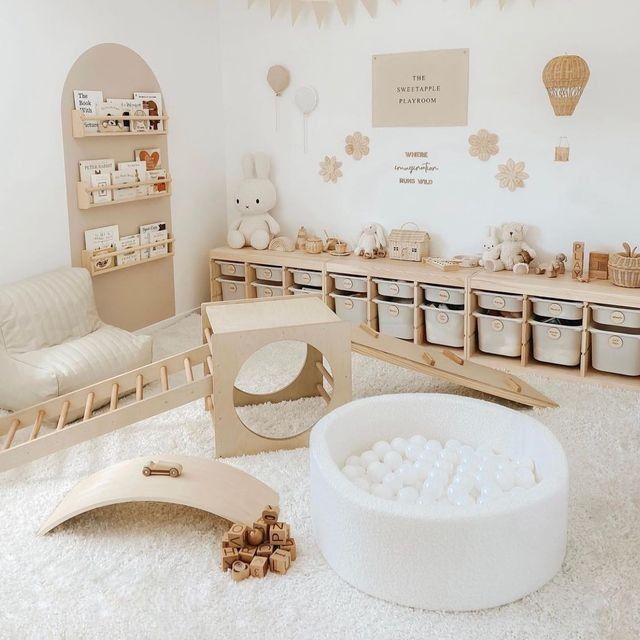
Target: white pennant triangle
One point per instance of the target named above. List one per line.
(296, 7)
(273, 5)
(320, 8)
(473, 3)
(250, 3)
(370, 6)
(343, 9)
(502, 3)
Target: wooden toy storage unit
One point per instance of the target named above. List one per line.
(472, 281)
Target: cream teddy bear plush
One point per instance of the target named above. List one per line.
(515, 254)
(490, 247)
(255, 197)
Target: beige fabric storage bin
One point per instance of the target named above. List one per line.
(557, 309)
(395, 288)
(502, 336)
(351, 308)
(615, 352)
(271, 274)
(395, 317)
(231, 289)
(499, 301)
(616, 316)
(443, 295)
(307, 278)
(231, 268)
(305, 291)
(350, 283)
(556, 343)
(444, 326)
(265, 290)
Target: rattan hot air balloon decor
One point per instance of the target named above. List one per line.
(565, 78)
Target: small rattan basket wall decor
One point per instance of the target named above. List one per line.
(624, 268)
(565, 78)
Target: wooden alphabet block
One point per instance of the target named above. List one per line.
(247, 554)
(290, 546)
(255, 536)
(225, 540)
(578, 260)
(239, 571)
(278, 533)
(265, 550)
(259, 567)
(280, 561)
(229, 556)
(598, 266)
(237, 536)
(270, 514)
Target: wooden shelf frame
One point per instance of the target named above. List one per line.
(78, 118)
(472, 280)
(90, 257)
(84, 192)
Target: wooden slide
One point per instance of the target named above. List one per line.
(43, 429)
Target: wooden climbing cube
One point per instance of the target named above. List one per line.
(280, 561)
(235, 330)
(259, 567)
(278, 533)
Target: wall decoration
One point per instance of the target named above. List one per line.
(416, 168)
(422, 89)
(562, 150)
(501, 3)
(511, 175)
(330, 169)
(278, 78)
(306, 100)
(483, 145)
(565, 78)
(357, 146)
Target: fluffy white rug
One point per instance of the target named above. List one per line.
(151, 570)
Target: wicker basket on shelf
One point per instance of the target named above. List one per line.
(624, 268)
(314, 245)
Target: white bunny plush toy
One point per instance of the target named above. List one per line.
(372, 243)
(255, 197)
(491, 248)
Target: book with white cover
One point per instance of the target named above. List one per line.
(127, 107)
(153, 102)
(101, 240)
(115, 123)
(90, 167)
(157, 174)
(161, 249)
(140, 168)
(101, 180)
(154, 232)
(87, 102)
(127, 242)
(124, 177)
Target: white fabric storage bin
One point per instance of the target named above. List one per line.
(350, 283)
(499, 301)
(502, 336)
(443, 295)
(231, 268)
(556, 343)
(305, 291)
(444, 326)
(272, 274)
(307, 278)
(557, 309)
(231, 289)
(395, 288)
(616, 316)
(351, 308)
(615, 352)
(265, 290)
(395, 317)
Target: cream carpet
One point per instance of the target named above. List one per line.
(151, 571)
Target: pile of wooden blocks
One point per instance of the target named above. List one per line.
(252, 551)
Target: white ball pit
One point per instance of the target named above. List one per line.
(439, 557)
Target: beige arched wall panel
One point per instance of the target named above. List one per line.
(141, 295)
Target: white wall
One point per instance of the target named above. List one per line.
(595, 197)
(39, 41)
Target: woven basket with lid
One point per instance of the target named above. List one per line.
(624, 268)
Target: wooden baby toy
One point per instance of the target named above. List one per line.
(554, 268)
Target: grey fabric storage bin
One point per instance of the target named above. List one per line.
(307, 278)
(270, 274)
(562, 309)
(444, 326)
(231, 289)
(395, 317)
(500, 301)
(556, 343)
(266, 290)
(502, 336)
(395, 288)
(616, 316)
(350, 283)
(615, 352)
(231, 268)
(352, 308)
(443, 295)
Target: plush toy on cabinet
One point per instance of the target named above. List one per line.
(490, 248)
(372, 242)
(255, 197)
(555, 268)
(515, 254)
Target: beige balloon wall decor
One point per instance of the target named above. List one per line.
(565, 78)
(279, 79)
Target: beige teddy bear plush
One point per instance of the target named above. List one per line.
(515, 254)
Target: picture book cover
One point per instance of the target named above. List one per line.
(101, 180)
(91, 167)
(124, 177)
(154, 232)
(88, 102)
(152, 157)
(152, 102)
(127, 242)
(140, 169)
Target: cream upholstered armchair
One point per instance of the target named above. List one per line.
(52, 340)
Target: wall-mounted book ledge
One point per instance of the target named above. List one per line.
(103, 261)
(161, 188)
(114, 125)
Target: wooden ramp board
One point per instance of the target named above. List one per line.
(446, 365)
(204, 484)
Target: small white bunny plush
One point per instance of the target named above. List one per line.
(372, 243)
(490, 248)
(255, 197)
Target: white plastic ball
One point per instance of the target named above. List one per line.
(419, 440)
(413, 451)
(449, 454)
(506, 479)
(376, 471)
(438, 475)
(393, 460)
(362, 483)
(444, 465)
(432, 489)
(433, 445)
(352, 472)
(408, 495)
(408, 474)
(393, 481)
(400, 445)
(428, 455)
(382, 491)
(380, 448)
(353, 461)
(464, 480)
(482, 478)
(368, 457)
(491, 491)
(423, 467)
(524, 478)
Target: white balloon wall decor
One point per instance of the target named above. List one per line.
(307, 100)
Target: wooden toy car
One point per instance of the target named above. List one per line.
(162, 468)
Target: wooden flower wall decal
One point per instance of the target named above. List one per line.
(483, 145)
(330, 169)
(511, 175)
(357, 146)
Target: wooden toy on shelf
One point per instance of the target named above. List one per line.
(598, 266)
(625, 267)
(162, 468)
(113, 127)
(578, 260)
(410, 245)
(301, 239)
(554, 268)
(444, 264)
(313, 245)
